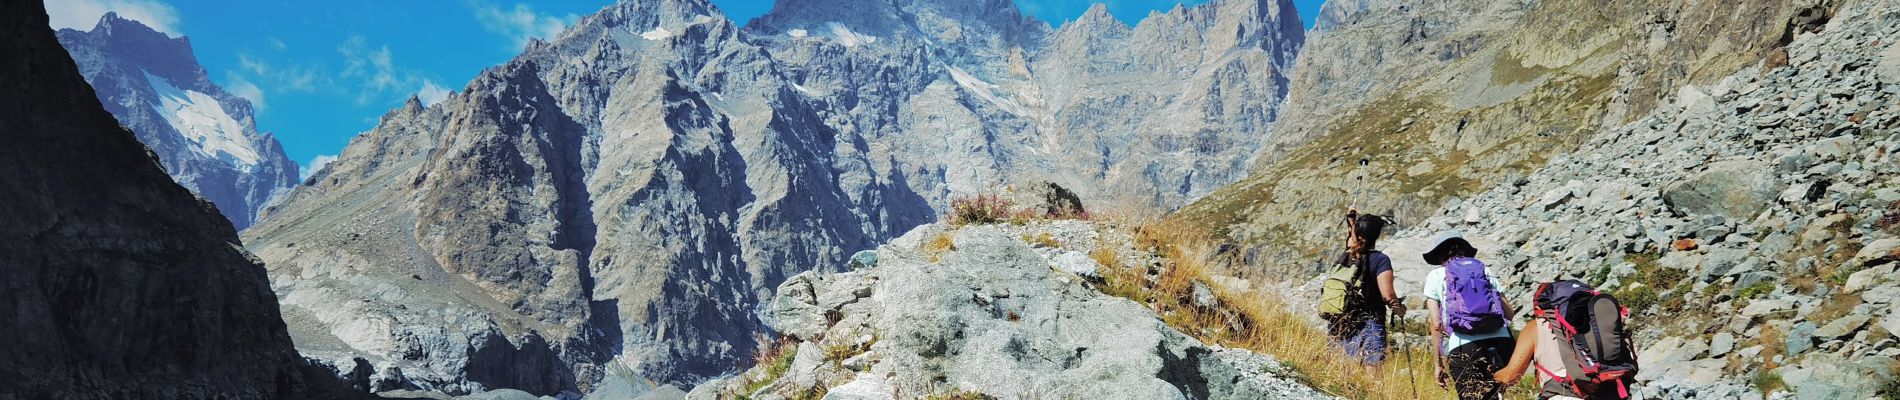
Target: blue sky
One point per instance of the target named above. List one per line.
(322, 71)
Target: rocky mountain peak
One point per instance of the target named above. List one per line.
(613, 204)
(206, 138)
(160, 54)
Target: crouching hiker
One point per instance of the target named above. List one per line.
(1578, 343)
(1358, 293)
(1469, 319)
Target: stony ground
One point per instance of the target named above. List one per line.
(1750, 224)
(1000, 310)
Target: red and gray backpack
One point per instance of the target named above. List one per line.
(1600, 361)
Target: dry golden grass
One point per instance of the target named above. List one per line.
(1043, 239)
(938, 245)
(1258, 322)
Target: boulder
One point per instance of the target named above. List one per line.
(1736, 190)
(1842, 327)
(1866, 278)
(1827, 377)
(1877, 251)
(1888, 69)
(1721, 344)
(794, 311)
(997, 316)
(865, 387)
(1800, 338)
(1076, 263)
(1046, 198)
(864, 259)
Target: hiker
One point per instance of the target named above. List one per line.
(1579, 344)
(1358, 325)
(1469, 319)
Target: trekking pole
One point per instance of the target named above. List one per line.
(1410, 376)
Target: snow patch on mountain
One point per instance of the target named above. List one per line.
(847, 37)
(981, 89)
(657, 33)
(204, 121)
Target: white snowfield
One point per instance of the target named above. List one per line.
(847, 37)
(202, 120)
(657, 33)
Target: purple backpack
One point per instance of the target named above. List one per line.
(1471, 303)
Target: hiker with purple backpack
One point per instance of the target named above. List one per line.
(1469, 319)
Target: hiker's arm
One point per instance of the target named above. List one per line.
(1438, 341)
(1520, 358)
(1506, 303)
(1386, 289)
(1438, 335)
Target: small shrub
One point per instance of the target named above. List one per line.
(841, 351)
(776, 357)
(961, 394)
(1767, 381)
(979, 210)
(942, 243)
(1638, 298)
(1043, 239)
(1756, 290)
(1650, 272)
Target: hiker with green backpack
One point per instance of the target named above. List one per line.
(1579, 344)
(1469, 319)
(1358, 292)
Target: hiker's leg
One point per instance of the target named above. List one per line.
(1472, 365)
(1497, 355)
(1462, 366)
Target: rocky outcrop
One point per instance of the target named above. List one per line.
(206, 138)
(1749, 223)
(1445, 99)
(980, 311)
(610, 207)
(116, 282)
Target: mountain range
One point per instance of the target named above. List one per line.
(206, 138)
(625, 194)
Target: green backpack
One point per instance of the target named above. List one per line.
(1339, 295)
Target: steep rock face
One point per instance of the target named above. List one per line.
(1749, 223)
(116, 282)
(614, 204)
(1023, 100)
(206, 138)
(1444, 99)
(978, 310)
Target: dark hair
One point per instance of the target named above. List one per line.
(1368, 227)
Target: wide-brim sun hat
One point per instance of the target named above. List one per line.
(1450, 244)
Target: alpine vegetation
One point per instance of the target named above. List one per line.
(946, 199)
(613, 205)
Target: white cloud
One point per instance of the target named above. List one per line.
(316, 164)
(84, 14)
(294, 78)
(240, 87)
(375, 70)
(430, 93)
(520, 24)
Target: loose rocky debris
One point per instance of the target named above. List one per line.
(989, 311)
(1750, 225)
